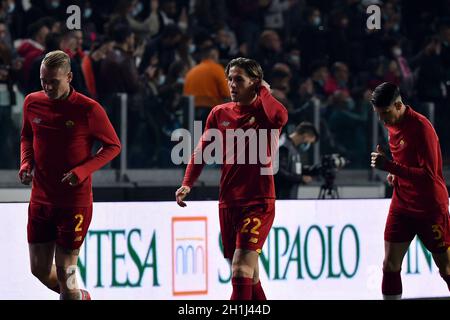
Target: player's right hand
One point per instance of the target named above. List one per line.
(180, 194)
(378, 158)
(264, 83)
(390, 179)
(25, 176)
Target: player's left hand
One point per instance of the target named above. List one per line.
(390, 179)
(378, 159)
(25, 176)
(70, 178)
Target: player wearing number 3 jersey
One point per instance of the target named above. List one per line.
(247, 194)
(59, 128)
(419, 204)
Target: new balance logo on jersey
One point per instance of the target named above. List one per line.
(37, 120)
(225, 123)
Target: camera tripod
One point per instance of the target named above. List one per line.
(328, 190)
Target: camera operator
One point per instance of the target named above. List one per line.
(291, 172)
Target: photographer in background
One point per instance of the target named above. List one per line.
(291, 172)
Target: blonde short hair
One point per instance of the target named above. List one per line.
(57, 59)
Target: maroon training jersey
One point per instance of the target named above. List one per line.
(417, 164)
(57, 137)
(242, 184)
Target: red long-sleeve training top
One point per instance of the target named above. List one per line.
(417, 164)
(57, 137)
(242, 184)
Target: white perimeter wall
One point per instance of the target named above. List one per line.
(329, 249)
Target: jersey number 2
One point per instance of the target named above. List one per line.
(78, 227)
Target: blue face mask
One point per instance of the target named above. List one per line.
(304, 146)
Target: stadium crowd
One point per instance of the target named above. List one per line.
(159, 51)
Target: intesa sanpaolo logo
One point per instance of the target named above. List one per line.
(189, 255)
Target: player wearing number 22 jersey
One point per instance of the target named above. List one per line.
(247, 194)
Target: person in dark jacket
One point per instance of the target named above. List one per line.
(291, 171)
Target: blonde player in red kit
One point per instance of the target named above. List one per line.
(419, 203)
(59, 128)
(247, 197)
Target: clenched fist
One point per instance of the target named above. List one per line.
(378, 159)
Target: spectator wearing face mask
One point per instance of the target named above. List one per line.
(31, 48)
(339, 80)
(150, 25)
(347, 122)
(45, 8)
(270, 49)
(13, 14)
(274, 14)
(339, 34)
(226, 42)
(398, 69)
(118, 72)
(313, 37)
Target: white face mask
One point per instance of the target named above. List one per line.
(397, 52)
(316, 21)
(11, 7)
(162, 79)
(87, 13)
(55, 4)
(295, 59)
(137, 9)
(191, 48)
(304, 146)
